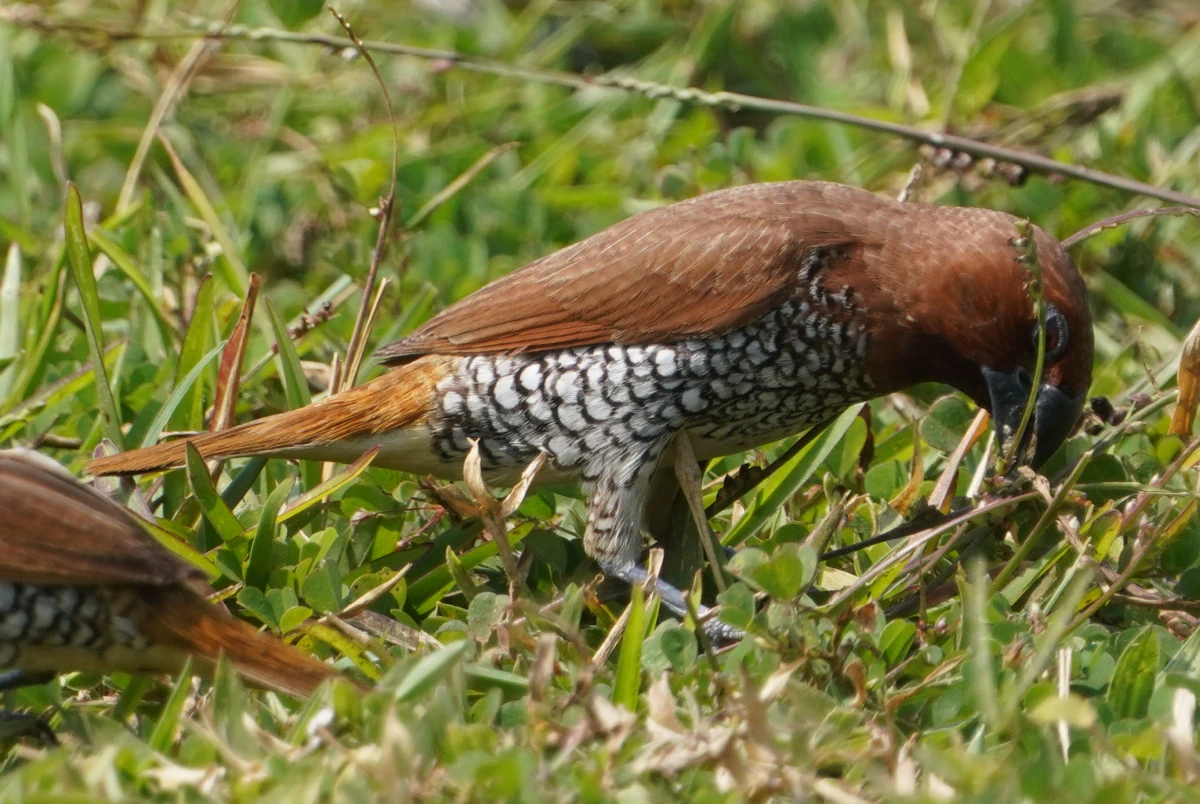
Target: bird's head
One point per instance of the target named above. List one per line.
(949, 302)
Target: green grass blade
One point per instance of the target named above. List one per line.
(167, 725)
(214, 508)
(628, 682)
(200, 336)
(233, 270)
(295, 385)
(323, 490)
(788, 480)
(81, 266)
(258, 566)
(154, 432)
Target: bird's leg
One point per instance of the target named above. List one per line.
(674, 600)
(613, 538)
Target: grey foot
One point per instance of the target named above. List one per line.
(674, 600)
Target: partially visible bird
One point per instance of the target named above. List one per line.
(739, 317)
(83, 587)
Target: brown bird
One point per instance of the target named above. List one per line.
(740, 317)
(84, 587)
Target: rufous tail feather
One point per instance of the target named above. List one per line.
(185, 620)
(398, 399)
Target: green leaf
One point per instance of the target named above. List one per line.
(254, 601)
(258, 567)
(430, 670)
(232, 269)
(10, 316)
(294, 13)
(107, 246)
(896, 639)
(81, 267)
(946, 423)
(486, 611)
(782, 575)
(214, 508)
(188, 412)
(295, 384)
(322, 589)
(329, 487)
(168, 723)
(628, 682)
(481, 678)
(293, 618)
(1132, 683)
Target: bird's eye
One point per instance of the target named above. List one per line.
(1057, 334)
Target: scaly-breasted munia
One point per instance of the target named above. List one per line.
(741, 317)
(83, 587)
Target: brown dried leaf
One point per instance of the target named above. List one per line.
(515, 497)
(660, 705)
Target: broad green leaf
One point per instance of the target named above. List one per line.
(1133, 681)
(896, 639)
(252, 599)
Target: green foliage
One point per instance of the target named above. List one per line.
(1057, 668)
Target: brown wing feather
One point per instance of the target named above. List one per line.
(54, 530)
(700, 266)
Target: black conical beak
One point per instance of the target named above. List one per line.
(1054, 414)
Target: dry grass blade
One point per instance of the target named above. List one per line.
(358, 337)
(1189, 385)
(939, 498)
(1117, 220)
(453, 188)
(687, 472)
(354, 354)
(229, 372)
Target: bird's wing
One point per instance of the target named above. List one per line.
(701, 266)
(54, 530)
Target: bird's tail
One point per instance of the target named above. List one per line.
(399, 399)
(181, 618)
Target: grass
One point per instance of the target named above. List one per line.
(1036, 646)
